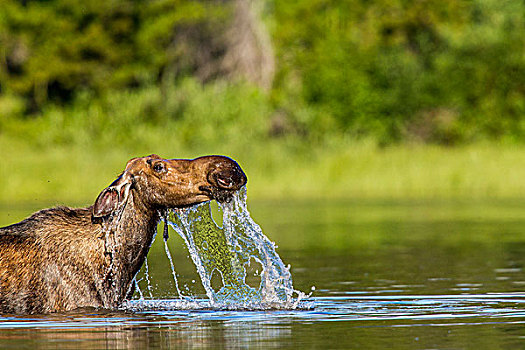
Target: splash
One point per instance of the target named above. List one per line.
(228, 252)
(168, 254)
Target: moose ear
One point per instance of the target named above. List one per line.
(107, 201)
(113, 196)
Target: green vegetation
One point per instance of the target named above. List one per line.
(369, 99)
(76, 174)
(434, 71)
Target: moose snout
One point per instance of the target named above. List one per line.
(226, 175)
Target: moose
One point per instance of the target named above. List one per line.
(62, 258)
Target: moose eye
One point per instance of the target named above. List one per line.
(159, 167)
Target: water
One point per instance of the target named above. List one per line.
(388, 274)
(229, 252)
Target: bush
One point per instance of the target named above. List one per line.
(384, 68)
(432, 71)
(188, 115)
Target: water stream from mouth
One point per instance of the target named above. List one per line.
(168, 254)
(224, 255)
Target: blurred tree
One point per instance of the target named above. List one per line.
(436, 71)
(444, 71)
(51, 49)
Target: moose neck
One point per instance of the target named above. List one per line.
(129, 234)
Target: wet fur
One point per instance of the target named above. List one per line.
(61, 259)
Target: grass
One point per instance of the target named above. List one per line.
(68, 154)
(414, 172)
(76, 173)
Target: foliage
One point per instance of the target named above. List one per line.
(95, 72)
(189, 115)
(436, 71)
(54, 49)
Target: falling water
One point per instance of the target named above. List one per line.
(137, 288)
(228, 251)
(146, 275)
(172, 266)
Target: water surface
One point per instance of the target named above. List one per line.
(387, 274)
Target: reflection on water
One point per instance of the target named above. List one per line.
(176, 324)
(153, 328)
(407, 275)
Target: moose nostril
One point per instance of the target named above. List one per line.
(224, 183)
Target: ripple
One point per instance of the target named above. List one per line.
(406, 308)
(396, 311)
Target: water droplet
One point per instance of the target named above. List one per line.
(228, 251)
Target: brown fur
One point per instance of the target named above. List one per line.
(60, 259)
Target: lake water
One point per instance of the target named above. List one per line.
(387, 274)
